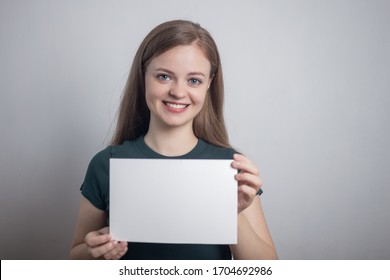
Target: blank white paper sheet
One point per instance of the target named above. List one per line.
(173, 201)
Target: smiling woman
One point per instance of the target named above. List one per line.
(134, 114)
(174, 92)
(172, 109)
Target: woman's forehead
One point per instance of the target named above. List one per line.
(190, 58)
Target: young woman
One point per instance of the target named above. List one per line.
(172, 108)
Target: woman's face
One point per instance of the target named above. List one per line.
(176, 84)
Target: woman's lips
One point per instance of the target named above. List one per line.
(175, 107)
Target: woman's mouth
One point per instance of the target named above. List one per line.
(176, 107)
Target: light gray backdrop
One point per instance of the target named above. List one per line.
(307, 97)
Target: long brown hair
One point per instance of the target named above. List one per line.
(134, 114)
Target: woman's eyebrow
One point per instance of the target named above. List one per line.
(196, 74)
(164, 70)
(173, 74)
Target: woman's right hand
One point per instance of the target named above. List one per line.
(100, 245)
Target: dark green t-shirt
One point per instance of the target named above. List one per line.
(96, 189)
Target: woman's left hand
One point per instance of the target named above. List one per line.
(248, 180)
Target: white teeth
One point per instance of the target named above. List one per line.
(176, 106)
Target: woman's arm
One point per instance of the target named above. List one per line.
(254, 239)
(92, 239)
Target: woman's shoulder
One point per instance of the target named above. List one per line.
(217, 152)
(128, 149)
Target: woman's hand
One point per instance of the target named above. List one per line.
(100, 245)
(248, 180)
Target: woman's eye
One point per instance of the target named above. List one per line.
(195, 81)
(163, 77)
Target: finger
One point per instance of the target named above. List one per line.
(247, 191)
(249, 179)
(246, 195)
(104, 230)
(122, 249)
(244, 164)
(95, 238)
(94, 234)
(104, 249)
(116, 252)
(120, 254)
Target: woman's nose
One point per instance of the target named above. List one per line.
(178, 90)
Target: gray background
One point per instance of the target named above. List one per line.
(307, 91)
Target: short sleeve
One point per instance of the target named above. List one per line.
(95, 187)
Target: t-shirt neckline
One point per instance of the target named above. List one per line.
(150, 153)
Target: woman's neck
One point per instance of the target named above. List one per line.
(174, 142)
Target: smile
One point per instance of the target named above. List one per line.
(175, 105)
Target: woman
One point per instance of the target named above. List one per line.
(172, 107)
